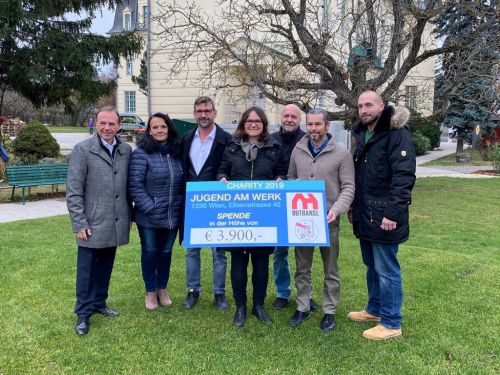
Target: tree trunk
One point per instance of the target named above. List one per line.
(460, 145)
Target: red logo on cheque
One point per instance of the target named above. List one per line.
(310, 200)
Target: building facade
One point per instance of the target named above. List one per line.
(176, 96)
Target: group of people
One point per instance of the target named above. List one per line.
(109, 186)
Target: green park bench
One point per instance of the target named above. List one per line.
(35, 175)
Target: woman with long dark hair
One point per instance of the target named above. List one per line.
(252, 155)
(155, 186)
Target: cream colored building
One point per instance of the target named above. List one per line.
(176, 96)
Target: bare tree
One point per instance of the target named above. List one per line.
(302, 50)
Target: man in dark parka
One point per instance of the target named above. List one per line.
(384, 160)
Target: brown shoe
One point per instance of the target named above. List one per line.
(151, 301)
(363, 316)
(379, 332)
(164, 298)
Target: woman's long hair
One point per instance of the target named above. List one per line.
(240, 130)
(149, 144)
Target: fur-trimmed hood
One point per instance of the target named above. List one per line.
(392, 117)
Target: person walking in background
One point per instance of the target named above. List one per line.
(100, 213)
(202, 150)
(288, 135)
(252, 155)
(318, 157)
(90, 126)
(385, 162)
(155, 184)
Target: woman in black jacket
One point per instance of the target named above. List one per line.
(155, 184)
(252, 155)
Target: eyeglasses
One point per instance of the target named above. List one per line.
(256, 122)
(203, 111)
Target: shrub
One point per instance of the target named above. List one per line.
(429, 129)
(495, 156)
(35, 142)
(51, 161)
(421, 143)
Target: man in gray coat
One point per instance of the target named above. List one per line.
(100, 213)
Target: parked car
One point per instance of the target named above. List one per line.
(131, 122)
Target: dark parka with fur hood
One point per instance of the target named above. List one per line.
(385, 175)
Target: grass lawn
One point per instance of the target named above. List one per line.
(68, 129)
(450, 160)
(451, 270)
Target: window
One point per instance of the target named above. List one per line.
(145, 15)
(411, 96)
(130, 67)
(130, 101)
(127, 21)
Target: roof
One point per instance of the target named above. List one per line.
(118, 22)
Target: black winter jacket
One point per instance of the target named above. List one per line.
(267, 166)
(385, 175)
(288, 142)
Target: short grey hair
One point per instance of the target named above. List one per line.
(319, 111)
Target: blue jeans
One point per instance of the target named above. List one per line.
(281, 272)
(383, 278)
(156, 256)
(193, 269)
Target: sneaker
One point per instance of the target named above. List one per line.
(191, 299)
(280, 303)
(379, 332)
(363, 316)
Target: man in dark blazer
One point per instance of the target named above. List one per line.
(100, 213)
(202, 150)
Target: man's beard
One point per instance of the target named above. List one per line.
(370, 121)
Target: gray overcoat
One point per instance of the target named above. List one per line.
(96, 193)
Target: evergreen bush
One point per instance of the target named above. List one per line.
(34, 142)
(429, 129)
(421, 143)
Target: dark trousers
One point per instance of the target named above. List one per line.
(93, 273)
(239, 277)
(156, 256)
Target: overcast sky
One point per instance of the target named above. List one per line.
(103, 22)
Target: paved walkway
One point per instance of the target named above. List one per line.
(446, 148)
(53, 207)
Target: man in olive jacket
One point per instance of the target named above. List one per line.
(384, 158)
(100, 213)
(318, 157)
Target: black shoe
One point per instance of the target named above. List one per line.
(106, 311)
(280, 303)
(327, 323)
(240, 316)
(191, 299)
(298, 318)
(261, 314)
(313, 305)
(221, 302)
(82, 326)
